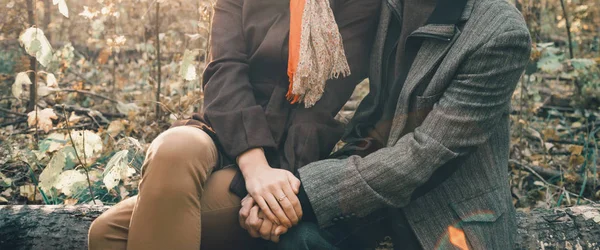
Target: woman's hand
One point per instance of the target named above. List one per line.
(251, 219)
(273, 190)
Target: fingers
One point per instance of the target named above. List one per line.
(294, 182)
(265, 229)
(274, 236)
(275, 207)
(279, 230)
(247, 204)
(266, 209)
(254, 222)
(289, 204)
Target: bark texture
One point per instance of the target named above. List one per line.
(65, 227)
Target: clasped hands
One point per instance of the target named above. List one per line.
(270, 210)
(271, 206)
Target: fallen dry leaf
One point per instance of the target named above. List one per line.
(41, 119)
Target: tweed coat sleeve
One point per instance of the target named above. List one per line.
(474, 102)
(231, 109)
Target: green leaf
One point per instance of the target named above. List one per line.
(550, 64)
(53, 142)
(582, 64)
(36, 44)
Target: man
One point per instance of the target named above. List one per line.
(428, 148)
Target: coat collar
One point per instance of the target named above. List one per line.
(444, 18)
(440, 32)
(445, 12)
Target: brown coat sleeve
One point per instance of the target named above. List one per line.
(231, 109)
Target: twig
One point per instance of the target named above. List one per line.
(568, 24)
(57, 129)
(539, 171)
(580, 143)
(13, 123)
(88, 93)
(89, 112)
(8, 111)
(77, 155)
(158, 68)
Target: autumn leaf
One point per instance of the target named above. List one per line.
(51, 172)
(115, 127)
(576, 160)
(28, 191)
(62, 7)
(87, 13)
(117, 169)
(17, 87)
(128, 108)
(37, 45)
(104, 55)
(70, 202)
(88, 144)
(51, 81)
(70, 181)
(576, 149)
(41, 119)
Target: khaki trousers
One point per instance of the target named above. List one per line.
(181, 201)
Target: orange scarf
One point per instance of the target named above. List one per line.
(316, 51)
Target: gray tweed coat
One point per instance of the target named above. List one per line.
(458, 94)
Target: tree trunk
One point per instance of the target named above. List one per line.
(65, 227)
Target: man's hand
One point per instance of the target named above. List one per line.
(252, 219)
(273, 190)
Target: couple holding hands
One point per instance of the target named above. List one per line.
(426, 154)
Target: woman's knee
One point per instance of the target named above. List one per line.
(98, 233)
(182, 145)
(178, 162)
(110, 229)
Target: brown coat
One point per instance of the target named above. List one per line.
(246, 82)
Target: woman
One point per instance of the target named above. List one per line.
(260, 124)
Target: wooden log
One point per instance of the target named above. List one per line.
(65, 227)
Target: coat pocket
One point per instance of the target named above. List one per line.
(485, 221)
(481, 208)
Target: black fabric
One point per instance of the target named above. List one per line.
(308, 214)
(447, 12)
